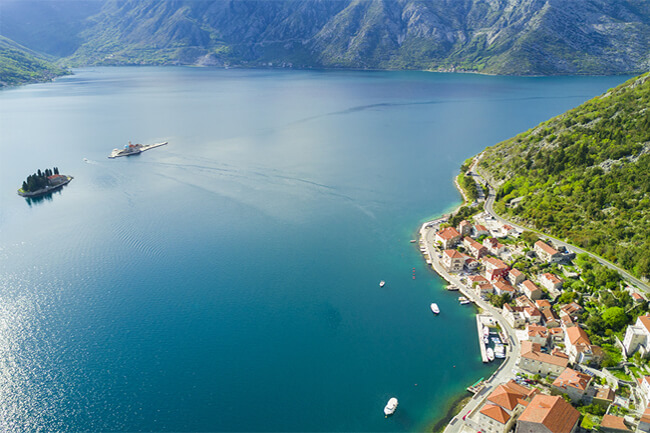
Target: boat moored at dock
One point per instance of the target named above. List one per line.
(490, 354)
(134, 149)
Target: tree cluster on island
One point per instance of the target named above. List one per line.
(39, 180)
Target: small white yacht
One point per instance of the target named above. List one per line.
(434, 308)
(390, 406)
(463, 300)
(490, 354)
(382, 283)
(499, 351)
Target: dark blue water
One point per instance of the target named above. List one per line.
(229, 280)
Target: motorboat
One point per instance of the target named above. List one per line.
(391, 406)
(463, 300)
(499, 351)
(434, 308)
(490, 354)
(382, 283)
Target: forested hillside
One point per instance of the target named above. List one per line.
(584, 176)
(19, 65)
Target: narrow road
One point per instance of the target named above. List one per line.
(488, 206)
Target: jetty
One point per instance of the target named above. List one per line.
(134, 149)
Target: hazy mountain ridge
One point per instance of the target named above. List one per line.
(526, 37)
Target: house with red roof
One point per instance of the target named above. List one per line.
(537, 334)
(465, 228)
(515, 276)
(534, 361)
(550, 319)
(474, 248)
(548, 414)
(613, 424)
(482, 286)
(453, 261)
(502, 287)
(480, 230)
(502, 407)
(547, 253)
(531, 290)
(644, 422)
(579, 347)
(513, 315)
(494, 246)
(495, 268)
(572, 383)
(447, 237)
(637, 337)
(552, 283)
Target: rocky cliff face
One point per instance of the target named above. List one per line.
(491, 36)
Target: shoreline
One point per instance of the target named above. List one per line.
(449, 421)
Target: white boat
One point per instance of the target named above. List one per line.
(382, 283)
(499, 351)
(463, 300)
(390, 406)
(486, 331)
(486, 339)
(490, 354)
(495, 340)
(434, 308)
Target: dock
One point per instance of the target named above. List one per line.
(135, 149)
(479, 330)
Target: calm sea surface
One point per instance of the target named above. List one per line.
(229, 280)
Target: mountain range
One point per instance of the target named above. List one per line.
(516, 37)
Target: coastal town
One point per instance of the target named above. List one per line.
(576, 331)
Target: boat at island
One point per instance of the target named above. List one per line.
(434, 308)
(391, 406)
(490, 354)
(134, 149)
(499, 351)
(382, 283)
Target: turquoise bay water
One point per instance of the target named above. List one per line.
(229, 280)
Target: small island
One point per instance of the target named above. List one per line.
(43, 182)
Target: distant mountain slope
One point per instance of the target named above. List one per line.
(18, 65)
(584, 176)
(492, 36)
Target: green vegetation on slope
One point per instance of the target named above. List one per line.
(18, 65)
(584, 176)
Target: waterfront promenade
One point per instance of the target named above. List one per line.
(506, 370)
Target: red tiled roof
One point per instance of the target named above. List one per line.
(496, 413)
(448, 233)
(537, 331)
(577, 335)
(533, 351)
(573, 379)
(505, 397)
(453, 254)
(480, 228)
(553, 412)
(546, 248)
(552, 278)
(515, 272)
(645, 321)
(646, 416)
(606, 393)
(614, 423)
(495, 262)
(503, 286)
(542, 303)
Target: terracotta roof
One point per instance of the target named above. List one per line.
(464, 223)
(503, 286)
(453, 254)
(496, 413)
(572, 308)
(448, 233)
(637, 297)
(524, 300)
(478, 279)
(556, 331)
(577, 335)
(523, 390)
(573, 379)
(472, 243)
(496, 263)
(533, 351)
(546, 248)
(605, 393)
(645, 321)
(505, 397)
(614, 423)
(508, 227)
(549, 315)
(552, 278)
(537, 331)
(542, 303)
(515, 272)
(480, 228)
(559, 353)
(553, 412)
(532, 312)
